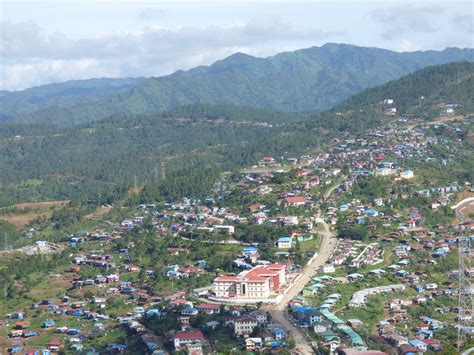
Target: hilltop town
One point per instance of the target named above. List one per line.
(351, 250)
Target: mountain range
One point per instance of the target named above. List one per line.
(306, 80)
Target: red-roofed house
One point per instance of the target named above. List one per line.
(209, 308)
(294, 201)
(54, 344)
(181, 339)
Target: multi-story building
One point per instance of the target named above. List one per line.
(183, 339)
(245, 325)
(255, 284)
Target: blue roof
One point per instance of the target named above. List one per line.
(284, 239)
(371, 212)
(416, 342)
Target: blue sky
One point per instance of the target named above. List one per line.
(54, 41)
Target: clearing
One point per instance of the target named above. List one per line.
(28, 211)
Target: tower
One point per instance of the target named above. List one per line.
(466, 305)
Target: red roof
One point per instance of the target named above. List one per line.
(296, 199)
(227, 278)
(276, 267)
(208, 306)
(195, 334)
(253, 278)
(54, 342)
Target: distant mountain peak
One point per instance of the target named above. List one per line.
(304, 80)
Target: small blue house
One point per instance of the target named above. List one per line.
(419, 344)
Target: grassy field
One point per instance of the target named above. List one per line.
(21, 214)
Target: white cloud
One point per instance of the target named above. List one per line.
(33, 57)
(399, 20)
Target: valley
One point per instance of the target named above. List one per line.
(160, 267)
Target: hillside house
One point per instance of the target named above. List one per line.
(245, 325)
(294, 201)
(284, 243)
(182, 339)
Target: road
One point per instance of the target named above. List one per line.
(279, 311)
(464, 208)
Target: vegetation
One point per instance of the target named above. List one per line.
(305, 80)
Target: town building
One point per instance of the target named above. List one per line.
(255, 284)
(182, 339)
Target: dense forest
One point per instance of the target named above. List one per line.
(101, 161)
(305, 80)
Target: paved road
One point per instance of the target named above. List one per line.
(462, 208)
(279, 311)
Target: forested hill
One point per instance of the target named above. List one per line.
(423, 94)
(104, 159)
(68, 94)
(449, 83)
(305, 80)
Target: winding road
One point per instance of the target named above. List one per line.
(464, 207)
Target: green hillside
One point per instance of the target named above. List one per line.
(68, 94)
(102, 160)
(305, 80)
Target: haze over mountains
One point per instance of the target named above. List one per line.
(305, 80)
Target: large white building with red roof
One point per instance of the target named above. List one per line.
(183, 339)
(253, 285)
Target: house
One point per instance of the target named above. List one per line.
(327, 268)
(419, 344)
(294, 201)
(384, 171)
(54, 344)
(48, 323)
(245, 325)
(277, 332)
(284, 243)
(407, 174)
(182, 339)
(189, 311)
(312, 316)
(355, 276)
(253, 344)
(261, 316)
(208, 308)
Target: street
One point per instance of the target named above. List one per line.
(279, 311)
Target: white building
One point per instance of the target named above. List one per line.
(255, 284)
(358, 299)
(327, 268)
(245, 325)
(284, 243)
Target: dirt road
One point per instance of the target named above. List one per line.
(464, 208)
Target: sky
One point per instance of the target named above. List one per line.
(52, 41)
